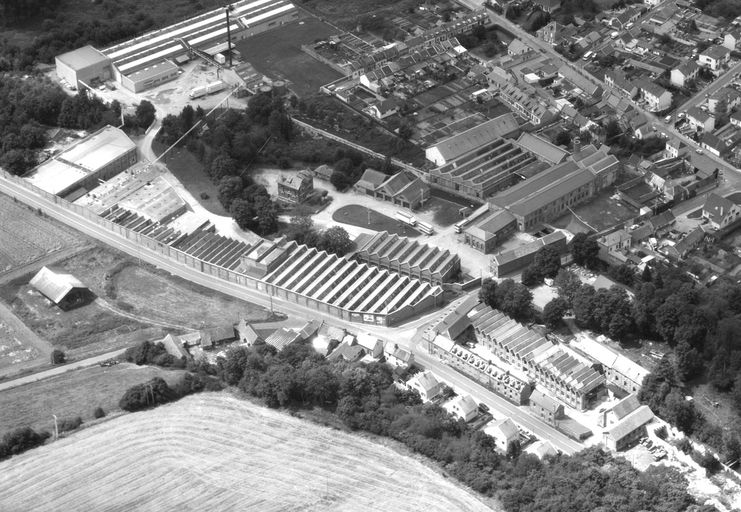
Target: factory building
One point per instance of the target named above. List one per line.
(85, 64)
(560, 372)
(147, 61)
(96, 158)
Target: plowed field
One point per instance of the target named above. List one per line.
(215, 452)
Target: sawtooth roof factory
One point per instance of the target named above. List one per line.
(148, 60)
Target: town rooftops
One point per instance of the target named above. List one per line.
(651, 88)
(544, 401)
(688, 67)
(517, 47)
(698, 115)
(425, 380)
(504, 428)
(372, 179)
(477, 136)
(55, 285)
(611, 359)
(282, 337)
(491, 224)
(542, 148)
(626, 406)
(630, 423)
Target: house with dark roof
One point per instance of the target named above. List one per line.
(471, 139)
(295, 188)
(397, 356)
(370, 181)
(714, 57)
(383, 109)
(403, 188)
(686, 71)
(619, 411)
(714, 144)
(700, 120)
(347, 352)
(246, 334)
(617, 80)
(724, 100)
(622, 20)
(720, 211)
(215, 336)
(691, 241)
(323, 172)
(629, 430)
(545, 407)
(490, 230)
(656, 97)
(61, 288)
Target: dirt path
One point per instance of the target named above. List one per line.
(142, 319)
(49, 259)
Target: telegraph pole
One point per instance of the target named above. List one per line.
(56, 427)
(228, 34)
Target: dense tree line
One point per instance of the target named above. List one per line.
(727, 9)
(334, 240)
(157, 392)
(511, 298)
(21, 439)
(365, 398)
(156, 354)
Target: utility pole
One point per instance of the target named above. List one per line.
(56, 427)
(228, 34)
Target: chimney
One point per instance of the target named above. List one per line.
(577, 144)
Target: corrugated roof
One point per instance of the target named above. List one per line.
(542, 148)
(630, 423)
(282, 337)
(626, 406)
(55, 285)
(477, 136)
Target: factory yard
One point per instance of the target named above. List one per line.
(277, 54)
(195, 454)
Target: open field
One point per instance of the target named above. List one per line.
(19, 346)
(76, 393)
(277, 54)
(213, 451)
(189, 171)
(26, 236)
(363, 217)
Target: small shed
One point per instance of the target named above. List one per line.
(64, 290)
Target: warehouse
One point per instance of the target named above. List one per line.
(85, 64)
(339, 286)
(152, 76)
(507, 262)
(565, 376)
(64, 290)
(407, 257)
(96, 158)
(472, 139)
(489, 230)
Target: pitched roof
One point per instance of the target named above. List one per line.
(372, 179)
(503, 428)
(477, 136)
(247, 332)
(517, 47)
(665, 218)
(216, 334)
(688, 67)
(544, 401)
(625, 406)
(716, 207)
(630, 423)
(698, 114)
(542, 148)
(347, 352)
(651, 88)
(716, 52)
(465, 403)
(425, 380)
(55, 285)
(282, 337)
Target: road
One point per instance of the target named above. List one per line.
(498, 405)
(723, 80)
(58, 370)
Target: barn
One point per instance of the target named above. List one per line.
(64, 290)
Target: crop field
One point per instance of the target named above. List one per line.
(75, 393)
(363, 217)
(215, 452)
(277, 53)
(26, 236)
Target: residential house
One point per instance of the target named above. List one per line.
(462, 407)
(282, 338)
(553, 33)
(629, 430)
(714, 57)
(662, 223)
(246, 334)
(296, 188)
(371, 344)
(616, 242)
(700, 120)
(545, 407)
(397, 356)
(517, 47)
(619, 411)
(617, 80)
(323, 172)
(720, 211)
(673, 147)
(686, 71)
(214, 336)
(175, 347)
(548, 5)
(690, 242)
(383, 109)
(525, 101)
(627, 17)
(724, 100)
(425, 384)
(504, 432)
(347, 352)
(714, 144)
(732, 39)
(587, 85)
(736, 119)
(542, 449)
(656, 97)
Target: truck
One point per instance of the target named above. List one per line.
(197, 92)
(425, 228)
(217, 86)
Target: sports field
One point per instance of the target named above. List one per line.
(277, 54)
(362, 217)
(215, 452)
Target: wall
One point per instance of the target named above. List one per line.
(138, 243)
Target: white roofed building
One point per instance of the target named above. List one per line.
(426, 385)
(64, 290)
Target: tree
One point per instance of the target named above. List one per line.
(487, 293)
(221, 166)
(340, 180)
(530, 276)
(145, 114)
(335, 240)
(547, 261)
(567, 283)
(554, 311)
(622, 274)
(266, 213)
(230, 188)
(646, 274)
(406, 129)
(514, 299)
(243, 213)
(583, 305)
(612, 130)
(584, 250)
(688, 361)
(98, 413)
(563, 138)
(58, 357)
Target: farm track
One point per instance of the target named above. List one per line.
(213, 451)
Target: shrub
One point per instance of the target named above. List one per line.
(98, 413)
(67, 424)
(58, 357)
(661, 432)
(21, 439)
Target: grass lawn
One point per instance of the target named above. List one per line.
(445, 212)
(189, 171)
(277, 53)
(357, 215)
(75, 393)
